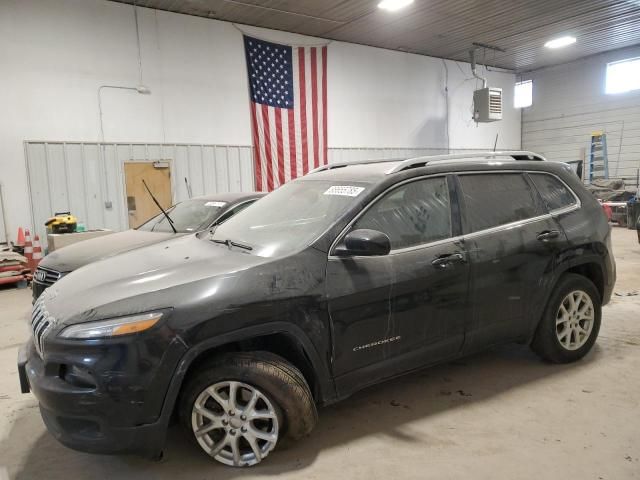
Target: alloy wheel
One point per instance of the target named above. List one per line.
(574, 320)
(235, 423)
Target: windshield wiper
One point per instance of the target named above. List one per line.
(160, 207)
(231, 243)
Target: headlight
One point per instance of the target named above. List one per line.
(112, 328)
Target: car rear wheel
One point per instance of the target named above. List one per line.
(571, 322)
(241, 405)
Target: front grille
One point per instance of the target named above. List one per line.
(46, 276)
(41, 324)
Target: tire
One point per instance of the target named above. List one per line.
(561, 336)
(283, 402)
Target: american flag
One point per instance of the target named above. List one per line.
(288, 93)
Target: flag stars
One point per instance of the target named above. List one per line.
(269, 74)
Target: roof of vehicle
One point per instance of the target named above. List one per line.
(376, 170)
(230, 197)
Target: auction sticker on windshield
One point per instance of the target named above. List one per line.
(345, 190)
(215, 204)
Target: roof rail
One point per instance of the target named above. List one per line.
(331, 166)
(422, 161)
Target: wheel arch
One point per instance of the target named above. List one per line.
(280, 338)
(588, 267)
(591, 270)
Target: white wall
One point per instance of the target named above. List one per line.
(55, 55)
(569, 102)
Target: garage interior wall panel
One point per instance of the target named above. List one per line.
(81, 177)
(569, 103)
(55, 57)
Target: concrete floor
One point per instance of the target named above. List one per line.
(500, 414)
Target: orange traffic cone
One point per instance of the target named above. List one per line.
(37, 253)
(28, 249)
(20, 240)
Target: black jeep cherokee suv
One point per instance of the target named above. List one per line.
(348, 276)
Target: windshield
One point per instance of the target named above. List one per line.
(289, 218)
(188, 216)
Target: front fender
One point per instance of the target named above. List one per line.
(325, 382)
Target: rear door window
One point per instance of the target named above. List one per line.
(554, 193)
(412, 214)
(494, 199)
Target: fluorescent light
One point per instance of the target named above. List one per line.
(393, 5)
(560, 42)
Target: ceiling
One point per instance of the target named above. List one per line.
(442, 28)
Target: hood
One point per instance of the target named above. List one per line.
(82, 253)
(165, 275)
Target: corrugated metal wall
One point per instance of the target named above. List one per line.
(567, 137)
(570, 102)
(365, 153)
(84, 177)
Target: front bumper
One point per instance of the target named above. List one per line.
(102, 398)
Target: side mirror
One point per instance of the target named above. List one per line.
(365, 242)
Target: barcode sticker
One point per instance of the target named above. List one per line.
(215, 204)
(345, 190)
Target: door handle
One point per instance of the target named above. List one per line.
(445, 261)
(548, 235)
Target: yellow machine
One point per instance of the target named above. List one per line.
(62, 222)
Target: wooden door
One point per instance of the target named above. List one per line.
(139, 203)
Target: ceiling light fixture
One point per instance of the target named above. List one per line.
(560, 42)
(393, 5)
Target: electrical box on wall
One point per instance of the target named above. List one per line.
(487, 104)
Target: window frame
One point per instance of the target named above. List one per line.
(454, 216)
(458, 210)
(515, 86)
(546, 213)
(466, 224)
(606, 76)
(555, 211)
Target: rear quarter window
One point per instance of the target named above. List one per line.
(554, 193)
(494, 199)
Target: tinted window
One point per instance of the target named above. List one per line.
(188, 216)
(232, 211)
(291, 217)
(554, 193)
(497, 199)
(412, 214)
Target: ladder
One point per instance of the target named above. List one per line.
(598, 159)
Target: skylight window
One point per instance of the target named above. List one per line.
(623, 76)
(523, 94)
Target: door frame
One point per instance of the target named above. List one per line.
(123, 179)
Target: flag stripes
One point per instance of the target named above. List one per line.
(288, 90)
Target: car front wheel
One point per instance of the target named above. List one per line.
(241, 405)
(571, 321)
